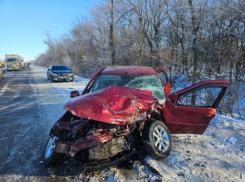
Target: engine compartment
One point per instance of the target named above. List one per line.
(89, 140)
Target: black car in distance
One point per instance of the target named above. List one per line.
(59, 73)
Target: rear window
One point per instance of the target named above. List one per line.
(60, 68)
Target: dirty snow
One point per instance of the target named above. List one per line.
(217, 155)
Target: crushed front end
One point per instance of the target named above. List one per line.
(103, 126)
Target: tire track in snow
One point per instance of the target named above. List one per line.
(5, 87)
(17, 94)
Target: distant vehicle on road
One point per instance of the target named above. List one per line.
(1, 72)
(14, 61)
(59, 73)
(4, 65)
(22, 63)
(3, 68)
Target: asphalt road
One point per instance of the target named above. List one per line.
(24, 126)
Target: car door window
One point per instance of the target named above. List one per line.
(163, 77)
(204, 97)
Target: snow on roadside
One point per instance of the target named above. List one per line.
(217, 155)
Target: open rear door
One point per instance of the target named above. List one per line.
(190, 110)
(164, 78)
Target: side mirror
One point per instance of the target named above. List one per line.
(48, 69)
(74, 94)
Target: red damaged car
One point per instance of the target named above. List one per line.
(124, 108)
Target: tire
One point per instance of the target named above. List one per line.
(48, 77)
(154, 131)
(50, 156)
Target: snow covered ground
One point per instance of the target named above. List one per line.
(217, 155)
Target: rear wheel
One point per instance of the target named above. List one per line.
(157, 139)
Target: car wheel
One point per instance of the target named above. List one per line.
(157, 139)
(50, 156)
(51, 79)
(48, 77)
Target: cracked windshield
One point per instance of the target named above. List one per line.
(145, 82)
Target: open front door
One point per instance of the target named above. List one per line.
(190, 110)
(164, 78)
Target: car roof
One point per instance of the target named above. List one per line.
(128, 70)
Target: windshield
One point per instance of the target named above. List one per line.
(11, 60)
(143, 82)
(60, 68)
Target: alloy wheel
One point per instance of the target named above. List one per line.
(161, 140)
(50, 147)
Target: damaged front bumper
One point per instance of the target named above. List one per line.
(92, 140)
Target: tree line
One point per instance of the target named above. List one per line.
(200, 39)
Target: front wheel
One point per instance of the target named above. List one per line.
(50, 156)
(51, 79)
(157, 139)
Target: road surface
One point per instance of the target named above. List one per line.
(29, 106)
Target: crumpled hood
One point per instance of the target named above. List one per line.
(115, 105)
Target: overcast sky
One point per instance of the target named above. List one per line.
(24, 22)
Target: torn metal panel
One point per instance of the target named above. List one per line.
(109, 149)
(115, 105)
(90, 141)
(108, 164)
